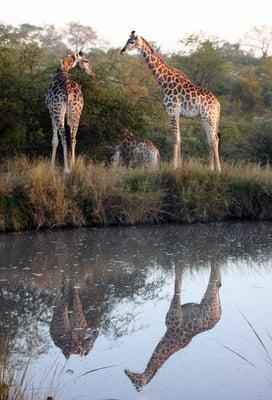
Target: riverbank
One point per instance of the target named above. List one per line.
(34, 196)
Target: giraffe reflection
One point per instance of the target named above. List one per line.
(68, 328)
(183, 322)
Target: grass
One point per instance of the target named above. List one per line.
(34, 196)
(265, 346)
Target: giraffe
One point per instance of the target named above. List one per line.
(183, 322)
(68, 328)
(133, 152)
(181, 98)
(64, 100)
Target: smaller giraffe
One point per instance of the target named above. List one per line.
(64, 100)
(133, 152)
(68, 327)
(183, 322)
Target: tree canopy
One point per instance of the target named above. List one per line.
(125, 94)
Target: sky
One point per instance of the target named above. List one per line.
(164, 22)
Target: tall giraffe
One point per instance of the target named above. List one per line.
(183, 322)
(64, 100)
(181, 98)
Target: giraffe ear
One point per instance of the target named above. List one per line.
(134, 35)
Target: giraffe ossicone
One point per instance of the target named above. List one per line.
(181, 99)
(65, 102)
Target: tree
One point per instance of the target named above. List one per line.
(247, 90)
(259, 40)
(81, 37)
(202, 60)
(52, 40)
(29, 34)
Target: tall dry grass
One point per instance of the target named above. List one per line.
(33, 195)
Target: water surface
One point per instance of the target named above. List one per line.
(164, 307)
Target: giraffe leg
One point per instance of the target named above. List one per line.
(175, 309)
(213, 140)
(73, 143)
(211, 300)
(214, 151)
(64, 147)
(177, 159)
(55, 142)
(211, 156)
(73, 121)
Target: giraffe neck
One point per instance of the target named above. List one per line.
(165, 348)
(160, 69)
(61, 75)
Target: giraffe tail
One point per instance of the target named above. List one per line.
(219, 140)
(138, 380)
(217, 126)
(68, 138)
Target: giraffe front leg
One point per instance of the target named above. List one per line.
(177, 159)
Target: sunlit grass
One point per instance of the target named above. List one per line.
(33, 195)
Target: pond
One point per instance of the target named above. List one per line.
(150, 313)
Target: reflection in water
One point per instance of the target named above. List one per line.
(183, 323)
(124, 276)
(68, 327)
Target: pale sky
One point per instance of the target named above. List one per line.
(164, 22)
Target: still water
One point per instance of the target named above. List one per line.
(150, 313)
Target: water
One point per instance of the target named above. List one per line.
(76, 301)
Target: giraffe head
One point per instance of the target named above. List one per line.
(134, 42)
(82, 63)
(78, 60)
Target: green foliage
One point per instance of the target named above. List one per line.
(204, 63)
(126, 95)
(259, 141)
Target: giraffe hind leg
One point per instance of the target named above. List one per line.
(62, 134)
(73, 118)
(55, 142)
(213, 140)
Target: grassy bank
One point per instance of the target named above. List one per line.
(34, 196)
